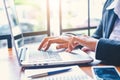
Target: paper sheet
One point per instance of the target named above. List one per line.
(74, 74)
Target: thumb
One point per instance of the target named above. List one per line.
(85, 49)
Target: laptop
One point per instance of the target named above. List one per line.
(29, 56)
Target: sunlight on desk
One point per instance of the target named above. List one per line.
(9, 68)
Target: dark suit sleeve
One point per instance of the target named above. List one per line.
(108, 51)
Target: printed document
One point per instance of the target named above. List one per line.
(76, 73)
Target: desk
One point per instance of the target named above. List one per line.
(10, 70)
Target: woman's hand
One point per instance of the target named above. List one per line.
(85, 49)
(62, 42)
(89, 43)
(69, 42)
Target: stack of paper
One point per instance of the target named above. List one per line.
(74, 74)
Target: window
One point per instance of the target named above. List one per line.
(74, 13)
(4, 28)
(40, 18)
(33, 14)
(79, 16)
(95, 12)
(33, 19)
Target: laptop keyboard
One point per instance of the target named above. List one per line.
(44, 56)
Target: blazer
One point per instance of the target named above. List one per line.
(108, 51)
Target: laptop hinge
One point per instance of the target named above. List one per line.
(23, 53)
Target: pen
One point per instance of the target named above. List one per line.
(49, 73)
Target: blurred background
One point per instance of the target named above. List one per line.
(40, 18)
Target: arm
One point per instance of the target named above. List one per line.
(108, 51)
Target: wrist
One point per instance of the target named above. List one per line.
(88, 41)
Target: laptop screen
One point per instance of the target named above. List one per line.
(16, 32)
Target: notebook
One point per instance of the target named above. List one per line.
(29, 57)
(76, 73)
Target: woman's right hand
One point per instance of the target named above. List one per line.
(62, 42)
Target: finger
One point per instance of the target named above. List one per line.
(43, 42)
(70, 48)
(85, 49)
(72, 44)
(46, 44)
(54, 40)
(75, 44)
